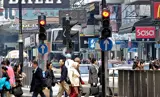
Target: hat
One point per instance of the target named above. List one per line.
(68, 55)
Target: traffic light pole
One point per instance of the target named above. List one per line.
(104, 58)
(20, 40)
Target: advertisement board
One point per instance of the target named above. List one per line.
(37, 3)
(156, 12)
(144, 32)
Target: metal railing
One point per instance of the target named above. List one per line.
(139, 83)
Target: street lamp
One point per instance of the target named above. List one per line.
(20, 40)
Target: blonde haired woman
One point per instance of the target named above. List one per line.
(75, 81)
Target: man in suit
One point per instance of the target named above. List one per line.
(37, 81)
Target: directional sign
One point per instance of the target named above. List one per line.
(92, 42)
(106, 44)
(42, 49)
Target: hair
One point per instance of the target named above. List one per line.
(2, 63)
(63, 60)
(77, 60)
(15, 68)
(7, 62)
(48, 64)
(35, 62)
(93, 60)
(4, 68)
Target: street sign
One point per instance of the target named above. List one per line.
(42, 49)
(37, 3)
(92, 43)
(76, 15)
(156, 45)
(106, 44)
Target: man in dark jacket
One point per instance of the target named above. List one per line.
(63, 86)
(37, 81)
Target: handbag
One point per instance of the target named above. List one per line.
(94, 90)
(54, 81)
(17, 91)
(48, 82)
(68, 80)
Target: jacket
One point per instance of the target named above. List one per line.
(64, 73)
(50, 77)
(93, 75)
(37, 80)
(74, 77)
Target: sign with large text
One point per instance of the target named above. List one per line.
(145, 32)
(37, 3)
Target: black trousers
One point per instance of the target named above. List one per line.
(35, 93)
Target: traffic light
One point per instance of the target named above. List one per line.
(106, 31)
(42, 24)
(67, 35)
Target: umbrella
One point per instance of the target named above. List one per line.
(15, 54)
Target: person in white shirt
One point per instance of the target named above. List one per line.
(69, 61)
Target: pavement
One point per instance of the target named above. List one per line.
(26, 92)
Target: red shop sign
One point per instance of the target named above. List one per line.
(145, 32)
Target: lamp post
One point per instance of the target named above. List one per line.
(20, 39)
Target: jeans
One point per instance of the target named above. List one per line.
(3, 93)
(35, 93)
(51, 91)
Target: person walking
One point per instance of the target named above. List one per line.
(77, 59)
(18, 77)
(74, 77)
(93, 76)
(3, 88)
(63, 86)
(10, 72)
(50, 77)
(37, 81)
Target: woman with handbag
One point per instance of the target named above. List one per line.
(75, 80)
(17, 89)
(50, 78)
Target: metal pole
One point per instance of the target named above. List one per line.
(20, 40)
(104, 57)
(103, 74)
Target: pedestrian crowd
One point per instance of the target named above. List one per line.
(70, 83)
(11, 81)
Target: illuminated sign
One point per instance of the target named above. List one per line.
(156, 10)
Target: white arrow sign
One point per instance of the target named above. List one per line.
(42, 47)
(106, 43)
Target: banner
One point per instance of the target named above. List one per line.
(37, 3)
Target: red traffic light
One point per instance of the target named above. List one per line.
(42, 22)
(105, 13)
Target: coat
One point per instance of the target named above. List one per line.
(93, 75)
(50, 77)
(74, 77)
(37, 80)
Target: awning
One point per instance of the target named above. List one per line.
(144, 22)
(138, 2)
(128, 28)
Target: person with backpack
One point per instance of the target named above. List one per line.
(37, 83)
(50, 78)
